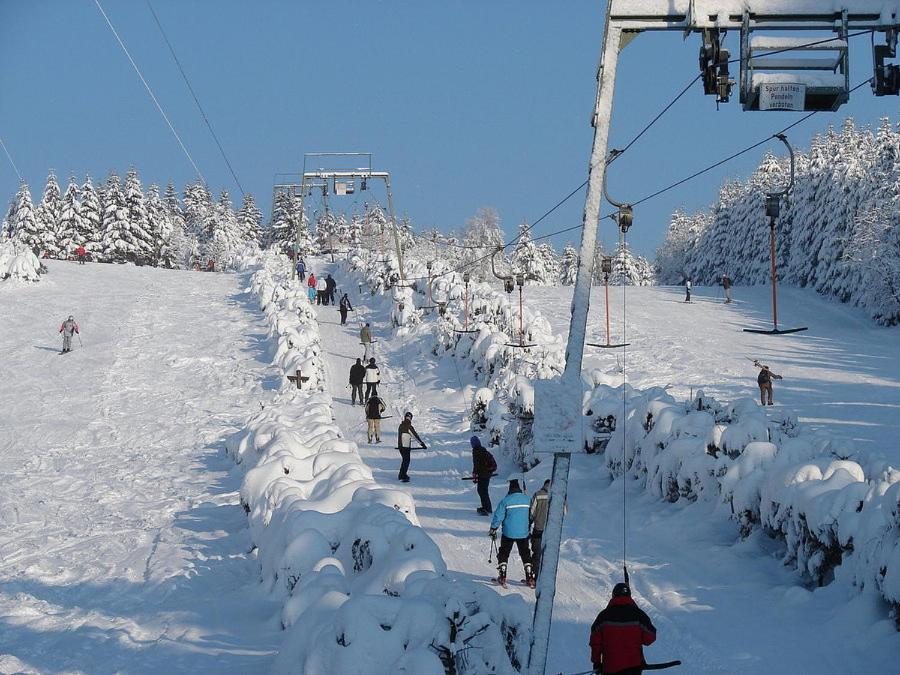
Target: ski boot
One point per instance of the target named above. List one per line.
(530, 579)
(501, 574)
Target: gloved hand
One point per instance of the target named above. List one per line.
(493, 533)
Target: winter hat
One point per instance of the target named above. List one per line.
(407, 415)
(475, 442)
(621, 589)
(372, 360)
(514, 485)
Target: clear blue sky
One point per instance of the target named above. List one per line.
(467, 104)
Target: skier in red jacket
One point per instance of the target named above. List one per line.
(618, 635)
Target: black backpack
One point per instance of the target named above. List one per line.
(489, 462)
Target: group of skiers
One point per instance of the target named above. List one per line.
(320, 290)
(726, 285)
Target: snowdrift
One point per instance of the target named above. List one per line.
(364, 587)
(18, 262)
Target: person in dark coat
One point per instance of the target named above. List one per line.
(688, 285)
(726, 284)
(357, 375)
(764, 380)
(374, 408)
(512, 516)
(537, 514)
(483, 467)
(619, 634)
(405, 433)
(344, 307)
(330, 286)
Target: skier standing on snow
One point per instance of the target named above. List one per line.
(81, 254)
(618, 635)
(512, 514)
(311, 283)
(764, 380)
(365, 336)
(405, 433)
(330, 286)
(372, 378)
(68, 328)
(301, 269)
(357, 377)
(726, 284)
(345, 307)
(688, 284)
(537, 514)
(321, 291)
(483, 467)
(374, 408)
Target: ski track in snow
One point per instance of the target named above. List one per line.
(123, 547)
(721, 605)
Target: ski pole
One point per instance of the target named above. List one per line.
(79, 340)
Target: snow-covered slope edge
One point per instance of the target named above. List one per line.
(364, 587)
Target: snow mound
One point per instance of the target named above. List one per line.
(364, 588)
(19, 263)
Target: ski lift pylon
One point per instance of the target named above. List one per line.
(773, 210)
(606, 267)
(509, 284)
(465, 308)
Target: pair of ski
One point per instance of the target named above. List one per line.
(505, 583)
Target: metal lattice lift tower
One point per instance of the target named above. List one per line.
(338, 181)
(785, 71)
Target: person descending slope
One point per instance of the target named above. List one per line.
(345, 307)
(619, 634)
(357, 377)
(764, 380)
(374, 408)
(512, 515)
(68, 328)
(688, 285)
(483, 467)
(405, 433)
(726, 285)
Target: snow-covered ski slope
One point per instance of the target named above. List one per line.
(841, 376)
(721, 605)
(123, 547)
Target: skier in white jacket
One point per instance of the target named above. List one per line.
(373, 377)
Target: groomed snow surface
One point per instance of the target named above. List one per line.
(124, 546)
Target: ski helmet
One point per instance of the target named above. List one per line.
(71, 318)
(621, 589)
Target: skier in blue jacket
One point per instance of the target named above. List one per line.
(512, 514)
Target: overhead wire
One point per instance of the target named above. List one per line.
(196, 99)
(11, 162)
(150, 91)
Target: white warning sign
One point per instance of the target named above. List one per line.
(782, 96)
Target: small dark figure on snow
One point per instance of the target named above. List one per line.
(330, 286)
(540, 505)
(372, 378)
(357, 377)
(512, 515)
(344, 307)
(619, 634)
(483, 467)
(81, 254)
(68, 328)
(374, 409)
(726, 285)
(688, 285)
(301, 269)
(405, 433)
(764, 380)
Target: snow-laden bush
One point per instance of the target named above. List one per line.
(364, 588)
(768, 472)
(19, 262)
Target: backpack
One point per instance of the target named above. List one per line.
(489, 461)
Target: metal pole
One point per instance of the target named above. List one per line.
(466, 309)
(521, 326)
(571, 378)
(606, 288)
(546, 586)
(299, 227)
(390, 198)
(774, 273)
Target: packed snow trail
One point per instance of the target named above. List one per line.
(123, 545)
(719, 604)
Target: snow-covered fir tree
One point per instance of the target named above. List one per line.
(141, 238)
(526, 258)
(634, 269)
(47, 215)
(24, 226)
(568, 266)
(225, 240)
(69, 234)
(481, 235)
(90, 222)
(116, 236)
(199, 211)
(838, 215)
(161, 228)
(249, 219)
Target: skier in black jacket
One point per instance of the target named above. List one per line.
(483, 467)
(330, 285)
(343, 308)
(405, 433)
(357, 375)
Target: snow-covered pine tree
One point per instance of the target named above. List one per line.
(117, 244)
(225, 240)
(568, 266)
(140, 238)
(70, 229)
(90, 222)
(280, 233)
(481, 235)
(526, 259)
(160, 227)
(636, 270)
(249, 219)
(47, 215)
(198, 210)
(24, 224)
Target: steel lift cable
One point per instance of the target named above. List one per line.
(11, 162)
